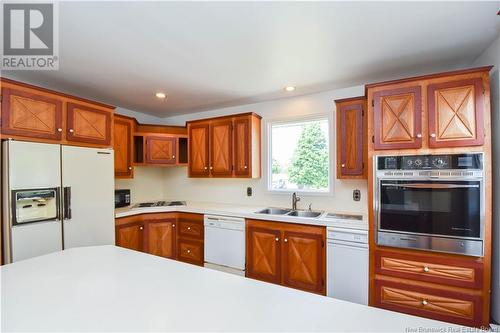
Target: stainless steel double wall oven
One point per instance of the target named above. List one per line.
(430, 202)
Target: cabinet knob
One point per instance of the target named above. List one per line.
(426, 269)
(276, 239)
(188, 251)
(173, 225)
(59, 129)
(189, 228)
(424, 302)
(245, 167)
(205, 168)
(211, 168)
(140, 228)
(433, 135)
(419, 135)
(285, 240)
(173, 156)
(130, 168)
(71, 130)
(343, 165)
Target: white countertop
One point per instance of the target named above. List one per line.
(246, 212)
(106, 288)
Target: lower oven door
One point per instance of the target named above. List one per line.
(424, 213)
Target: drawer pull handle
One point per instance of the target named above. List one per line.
(188, 251)
(71, 130)
(426, 269)
(140, 228)
(276, 239)
(285, 240)
(59, 129)
(189, 228)
(424, 302)
(173, 225)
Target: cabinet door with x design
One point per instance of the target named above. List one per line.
(88, 124)
(221, 148)
(456, 113)
(161, 150)
(397, 118)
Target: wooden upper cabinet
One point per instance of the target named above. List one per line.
(130, 236)
(30, 114)
(263, 254)
(303, 261)
(227, 146)
(397, 117)
(88, 125)
(456, 113)
(122, 145)
(221, 150)
(351, 138)
(160, 238)
(242, 139)
(198, 150)
(161, 150)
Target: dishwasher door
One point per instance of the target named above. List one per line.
(225, 242)
(347, 270)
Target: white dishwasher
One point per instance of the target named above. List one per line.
(347, 264)
(225, 243)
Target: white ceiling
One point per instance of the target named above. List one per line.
(206, 55)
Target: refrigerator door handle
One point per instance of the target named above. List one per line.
(67, 203)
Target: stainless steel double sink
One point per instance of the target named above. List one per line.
(290, 212)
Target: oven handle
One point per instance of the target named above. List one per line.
(437, 186)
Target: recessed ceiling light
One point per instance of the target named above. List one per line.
(160, 95)
(289, 88)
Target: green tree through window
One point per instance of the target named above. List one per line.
(309, 167)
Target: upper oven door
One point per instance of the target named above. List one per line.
(446, 208)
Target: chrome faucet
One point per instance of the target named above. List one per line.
(295, 199)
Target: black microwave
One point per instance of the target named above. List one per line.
(122, 198)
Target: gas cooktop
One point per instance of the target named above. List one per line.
(159, 204)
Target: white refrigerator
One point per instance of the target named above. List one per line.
(55, 197)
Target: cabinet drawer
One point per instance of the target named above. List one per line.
(449, 271)
(190, 251)
(190, 229)
(437, 304)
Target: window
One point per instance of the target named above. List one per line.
(299, 156)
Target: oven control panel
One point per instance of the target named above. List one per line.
(429, 162)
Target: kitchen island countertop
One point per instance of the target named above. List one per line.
(106, 288)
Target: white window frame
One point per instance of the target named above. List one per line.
(268, 150)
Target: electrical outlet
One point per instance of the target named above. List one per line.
(249, 191)
(356, 195)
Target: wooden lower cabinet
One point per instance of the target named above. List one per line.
(415, 299)
(160, 238)
(433, 285)
(263, 253)
(289, 254)
(178, 236)
(303, 261)
(130, 236)
(190, 251)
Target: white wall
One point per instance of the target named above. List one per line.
(146, 184)
(491, 56)
(179, 186)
